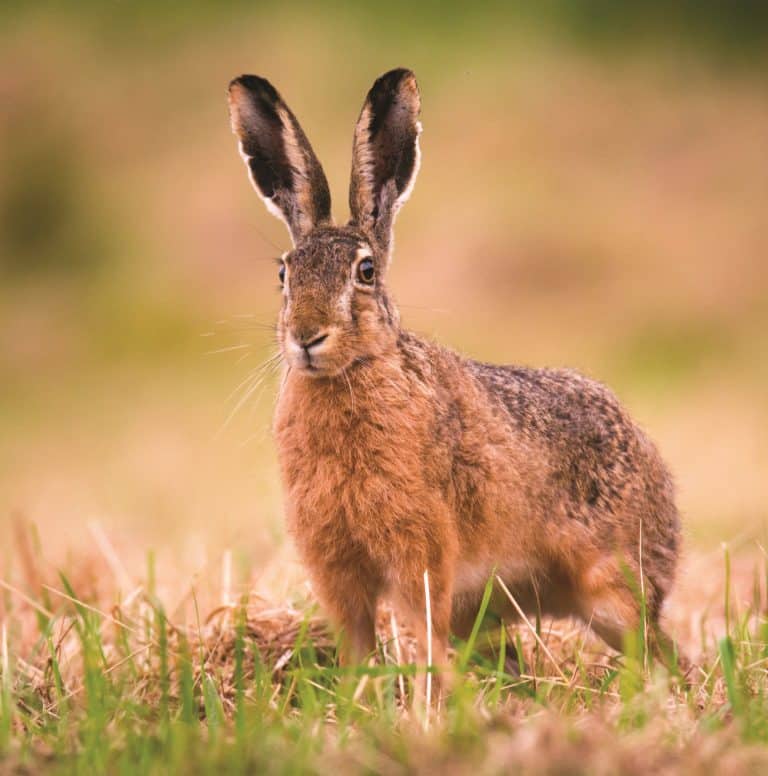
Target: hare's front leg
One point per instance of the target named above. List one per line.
(410, 600)
(350, 594)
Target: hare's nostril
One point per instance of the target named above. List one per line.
(319, 339)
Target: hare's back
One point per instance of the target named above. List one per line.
(598, 457)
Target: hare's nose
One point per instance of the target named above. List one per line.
(313, 341)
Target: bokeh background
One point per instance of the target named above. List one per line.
(593, 193)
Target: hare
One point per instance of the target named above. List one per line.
(400, 456)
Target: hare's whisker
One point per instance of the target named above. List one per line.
(250, 376)
(256, 380)
(442, 310)
(283, 381)
(254, 374)
(370, 385)
(227, 349)
(349, 386)
(266, 240)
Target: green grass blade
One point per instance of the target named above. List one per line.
(728, 663)
(467, 648)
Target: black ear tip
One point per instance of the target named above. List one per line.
(399, 83)
(393, 78)
(255, 84)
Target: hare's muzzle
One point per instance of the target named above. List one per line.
(306, 351)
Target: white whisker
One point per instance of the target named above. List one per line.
(250, 384)
(282, 382)
(349, 385)
(226, 349)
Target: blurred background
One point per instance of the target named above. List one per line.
(593, 193)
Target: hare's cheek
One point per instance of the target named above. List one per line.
(282, 325)
(345, 304)
(284, 316)
(373, 319)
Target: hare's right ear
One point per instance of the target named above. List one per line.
(281, 163)
(385, 154)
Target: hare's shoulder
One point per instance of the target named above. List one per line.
(530, 394)
(561, 405)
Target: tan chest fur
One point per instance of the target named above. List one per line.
(349, 489)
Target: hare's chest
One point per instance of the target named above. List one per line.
(353, 482)
(357, 470)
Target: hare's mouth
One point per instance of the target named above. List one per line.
(313, 356)
(316, 370)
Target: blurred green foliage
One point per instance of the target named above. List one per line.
(739, 27)
(666, 355)
(49, 220)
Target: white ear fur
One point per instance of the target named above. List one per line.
(405, 196)
(363, 161)
(268, 201)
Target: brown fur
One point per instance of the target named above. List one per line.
(400, 456)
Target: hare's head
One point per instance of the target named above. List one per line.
(335, 306)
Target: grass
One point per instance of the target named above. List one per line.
(118, 683)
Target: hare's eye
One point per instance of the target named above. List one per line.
(281, 274)
(365, 271)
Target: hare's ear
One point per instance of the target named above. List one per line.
(281, 163)
(385, 154)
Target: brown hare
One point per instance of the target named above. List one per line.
(400, 456)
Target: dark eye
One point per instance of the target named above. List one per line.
(365, 271)
(281, 274)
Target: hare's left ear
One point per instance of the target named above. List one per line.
(282, 165)
(385, 154)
